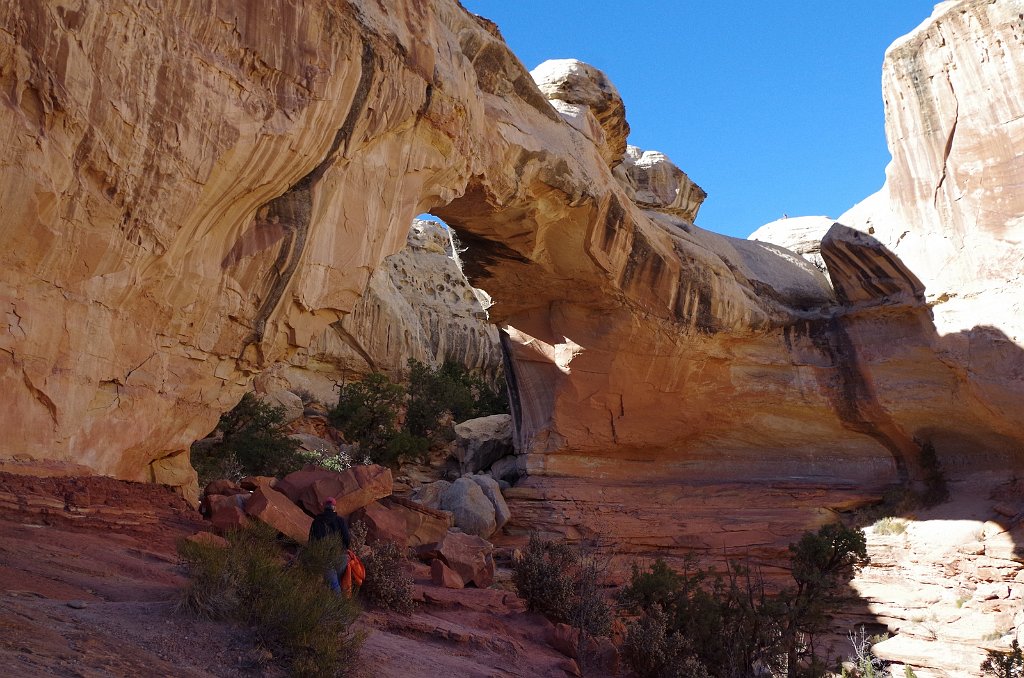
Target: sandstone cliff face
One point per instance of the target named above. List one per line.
(180, 224)
(955, 123)
(194, 200)
(418, 304)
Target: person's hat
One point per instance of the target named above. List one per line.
(330, 501)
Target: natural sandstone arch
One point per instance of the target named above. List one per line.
(162, 249)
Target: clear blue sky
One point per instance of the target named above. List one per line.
(772, 107)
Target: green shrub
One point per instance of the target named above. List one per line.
(542, 578)
(1005, 664)
(890, 526)
(367, 410)
(254, 443)
(367, 413)
(652, 650)
(820, 563)
(727, 623)
(561, 582)
(324, 459)
(290, 609)
(448, 388)
(387, 585)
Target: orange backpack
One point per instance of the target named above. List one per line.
(356, 568)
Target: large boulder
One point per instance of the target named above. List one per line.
(226, 511)
(473, 511)
(508, 469)
(442, 575)
(423, 525)
(275, 509)
(353, 488)
(492, 491)
(469, 556)
(289, 403)
(430, 495)
(382, 523)
(403, 521)
(222, 486)
(481, 442)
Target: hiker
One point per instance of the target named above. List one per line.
(326, 524)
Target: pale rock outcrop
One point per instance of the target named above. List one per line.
(946, 588)
(492, 491)
(473, 511)
(799, 234)
(654, 182)
(290, 404)
(482, 441)
(419, 305)
(587, 100)
(954, 118)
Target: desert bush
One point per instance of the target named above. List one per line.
(542, 577)
(1004, 664)
(448, 388)
(332, 462)
(211, 463)
(561, 582)
(253, 443)
(890, 526)
(865, 664)
(289, 608)
(728, 623)
(819, 563)
(653, 651)
(367, 413)
(387, 585)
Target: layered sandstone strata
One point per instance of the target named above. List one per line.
(949, 207)
(195, 199)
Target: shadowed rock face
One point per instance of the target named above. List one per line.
(194, 200)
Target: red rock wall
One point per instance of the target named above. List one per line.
(194, 193)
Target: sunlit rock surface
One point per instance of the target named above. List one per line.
(654, 182)
(193, 198)
(417, 305)
(800, 234)
(951, 207)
